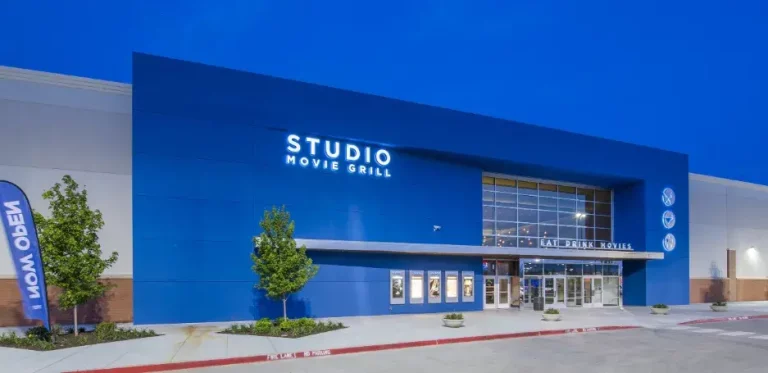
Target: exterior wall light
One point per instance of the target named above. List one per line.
(752, 254)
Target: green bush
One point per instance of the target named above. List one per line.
(106, 331)
(263, 326)
(72, 330)
(42, 340)
(719, 304)
(305, 326)
(283, 327)
(305, 322)
(454, 316)
(660, 305)
(551, 311)
(40, 333)
(33, 343)
(286, 324)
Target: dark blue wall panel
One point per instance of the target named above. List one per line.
(209, 148)
(197, 289)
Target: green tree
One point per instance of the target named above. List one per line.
(282, 267)
(70, 245)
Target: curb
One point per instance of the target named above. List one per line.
(343, 351)
(723, 319)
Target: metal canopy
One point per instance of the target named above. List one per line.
(442, 249)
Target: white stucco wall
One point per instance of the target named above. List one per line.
(728, 214)
(53, 125)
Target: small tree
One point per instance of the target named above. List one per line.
(70, 245)
(282, 267)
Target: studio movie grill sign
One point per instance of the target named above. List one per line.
(336, 155)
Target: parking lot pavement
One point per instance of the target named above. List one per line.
(641, 350)
(746, 329)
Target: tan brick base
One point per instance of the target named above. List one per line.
(704, 290)
(116, 305)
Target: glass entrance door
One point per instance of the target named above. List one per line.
(593, 291)
(554, 291)
(489, 292)
(611, 291)
(497, 291)
(504, 293)
(531, 289)
(574, 291)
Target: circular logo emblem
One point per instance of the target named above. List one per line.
(669, 242)
(668, 219)
(668, 197)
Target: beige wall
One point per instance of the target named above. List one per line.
(54, 125)
(728, 215)
(64, 125)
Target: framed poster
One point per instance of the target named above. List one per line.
(434, 287)
(397, 287)
(451, 286)
(467, 286)
(417, 287)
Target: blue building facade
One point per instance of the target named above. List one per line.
(366, 179)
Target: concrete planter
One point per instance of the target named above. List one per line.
(453, 323)
(719, 308)
(660, 311)
(551, 317)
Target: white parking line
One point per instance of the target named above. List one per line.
(707, 330)
(737, 334)
(760, 337)
(681, 327)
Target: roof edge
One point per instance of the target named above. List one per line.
(728, 182)
(13, 73)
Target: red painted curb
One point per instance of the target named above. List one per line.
(342, 351)
(723, 319)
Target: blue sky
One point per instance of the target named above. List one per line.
(688, 76)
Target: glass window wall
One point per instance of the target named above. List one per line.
(517, 213)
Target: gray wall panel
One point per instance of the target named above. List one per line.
(53, 125)
(57, 137)
(727, 214)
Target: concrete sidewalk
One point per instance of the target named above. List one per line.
(202, 342)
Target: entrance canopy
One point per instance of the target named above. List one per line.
(442, 249)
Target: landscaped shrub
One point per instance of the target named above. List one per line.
(552, 311)
(719, 304)
(263, 326)
(40, 333)
(79, 330)
(32, 343)
(286, 324)
(454, 316)
(283, 327)
(106, 331)
(40, 339)
(660, 305)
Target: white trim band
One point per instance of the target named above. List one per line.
(443, 249)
